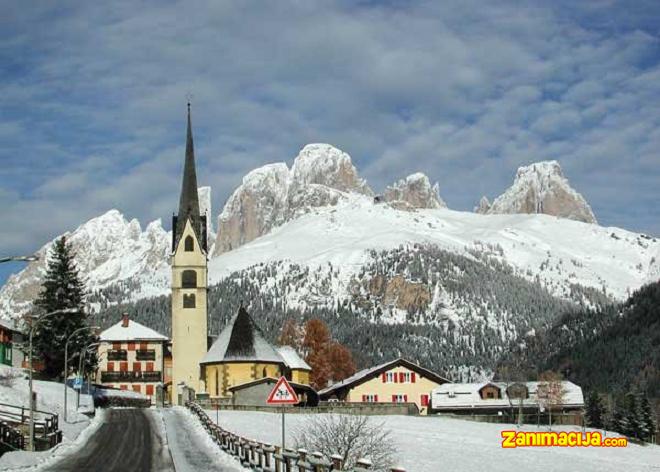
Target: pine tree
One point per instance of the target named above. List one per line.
(62, 289)
(645, 419)
(595, 410)
(631, 415)
(618, 422)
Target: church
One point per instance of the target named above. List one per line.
(241, 354)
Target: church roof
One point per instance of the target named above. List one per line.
(189, 199)
(242, 341)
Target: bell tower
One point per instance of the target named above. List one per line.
(189, 281)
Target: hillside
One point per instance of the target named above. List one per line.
(615, 349)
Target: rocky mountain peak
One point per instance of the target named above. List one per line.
(542, 188)
(483, 206)
(269, 196)
(324, 164)
(416, 190)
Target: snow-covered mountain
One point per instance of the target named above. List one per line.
(541, 188)
(416, 191)
(271, 195)
(108, 249)
(321, 212)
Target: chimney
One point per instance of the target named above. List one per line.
(124, 320)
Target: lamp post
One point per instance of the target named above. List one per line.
(81, 366)
(31, 258)
(34, 325)
(66, 359)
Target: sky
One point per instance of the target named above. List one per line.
(93, 95)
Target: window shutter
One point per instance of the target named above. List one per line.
(376, 398)
(137, 366)
(393, 398)
(150, 366)
(111, 366)
(405, 398)
(425, 400)
(384, 377)
(364, 398)
(401, 377)
(395, 377)
(412, 377)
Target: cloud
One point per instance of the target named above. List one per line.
(93, 100)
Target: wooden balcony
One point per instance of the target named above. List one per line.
(117, 355)
(149, 355)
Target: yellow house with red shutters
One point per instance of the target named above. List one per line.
(397, 381)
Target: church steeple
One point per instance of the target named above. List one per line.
(189, 199)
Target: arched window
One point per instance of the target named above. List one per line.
(189, 300)
(189, 279)
(189, 244)
(264, 373)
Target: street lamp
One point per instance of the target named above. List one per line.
(81, 366)
(66, 359)
(32, 326)
(31, 258)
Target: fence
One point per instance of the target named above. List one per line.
(565, 419)
(14, 424)
(268, 458)
(364, 409)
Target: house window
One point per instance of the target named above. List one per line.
(189, 279)
(406, 377)
(111, 366)
(189, 300)
(123, 366)
(150, 390)
(490, 395)
(389, 377)
(189, 244)
(264, 373)
(8, 354)
(369, 398)
(399, 398)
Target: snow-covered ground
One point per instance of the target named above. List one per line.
(50, 398)
(191, 446)
(430, 444)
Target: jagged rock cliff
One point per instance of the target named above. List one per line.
(542, 188)
(416, 190)
(269, 196)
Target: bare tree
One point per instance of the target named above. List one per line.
(550, 392)
(351, 436)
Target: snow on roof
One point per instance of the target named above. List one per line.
(241, 340)
(466, 395)
(292, 359)
(133, 332)
(366, 373)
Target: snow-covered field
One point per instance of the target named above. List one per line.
(431, 444)
(50, 398)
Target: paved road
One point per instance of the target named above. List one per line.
(129, 440)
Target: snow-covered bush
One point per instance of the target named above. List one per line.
(351, 436)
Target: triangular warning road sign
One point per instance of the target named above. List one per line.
(282, 394)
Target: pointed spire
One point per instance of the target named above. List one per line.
(189, 199)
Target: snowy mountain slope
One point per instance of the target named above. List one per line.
(541, 188)
(109, 249)
(556, 252)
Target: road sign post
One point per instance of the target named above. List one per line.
(282, 394)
